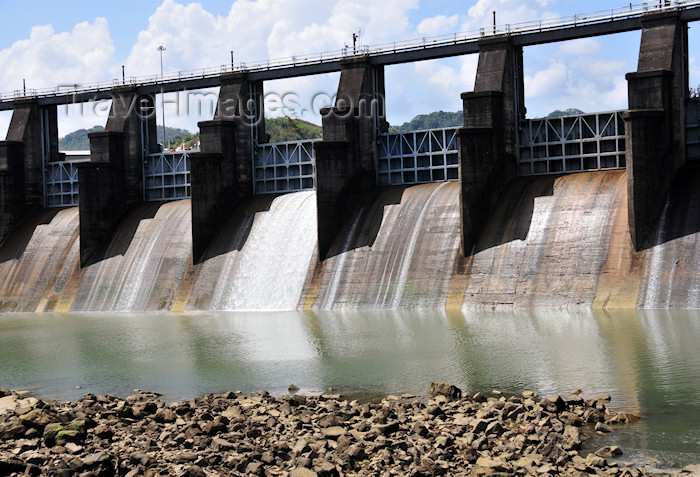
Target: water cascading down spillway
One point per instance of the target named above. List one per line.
(552, 242)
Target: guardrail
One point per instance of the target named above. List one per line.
(581, 19)
(167, 176)
(417, 156)
(582, 142)
(281, 167)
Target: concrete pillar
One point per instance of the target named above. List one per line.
(488, 153)
(33, 134)
(655, 122)
(222, 173)
(346, 163)
(111, 183)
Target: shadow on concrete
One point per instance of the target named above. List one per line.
(18, 238)
(683, 214)
(235, 231)
(371, 212)
(121, 237)
(512, 216)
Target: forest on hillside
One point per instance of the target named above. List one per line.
(284, 128)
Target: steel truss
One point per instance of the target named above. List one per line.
(284, 166)
(583, 142)
(417, 156)
(61, 183)
(692, 129)
(167, 176)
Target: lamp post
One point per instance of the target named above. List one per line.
(161, 48)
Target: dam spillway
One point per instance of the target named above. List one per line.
(552, 242)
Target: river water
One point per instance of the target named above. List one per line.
(649, 361)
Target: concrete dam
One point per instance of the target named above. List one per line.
(552, 242)
(594, 210)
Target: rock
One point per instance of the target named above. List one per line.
(333, 432)
(593, 460)
(293, 388)
(608, 451)
(576, 391)
(302, 472)
(221, 445)
(600, 427)
(165, 416)
(254, 435)
(11, 431)
(38, 418)
(623, 418)
(9, 465)
(444, 389)
(604, 397)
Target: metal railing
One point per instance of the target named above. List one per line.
(284, 166)
(167, 176)
(417, 156)
(583, 142)
(61, 181)
(581, 19)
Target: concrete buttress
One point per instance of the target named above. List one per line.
(488, 141)
(655, 122)
(346, 161)
(222, 173)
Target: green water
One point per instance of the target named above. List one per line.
(648, 361)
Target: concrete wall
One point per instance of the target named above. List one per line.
(655, 122)
(21, 161)
(111, 184)
(222, 173)
(487, 143)
(346, 157)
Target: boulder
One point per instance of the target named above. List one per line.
(448, 390)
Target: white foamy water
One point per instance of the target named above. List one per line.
(407, 256)
(658, 268)
(271, 268)
(339, 265)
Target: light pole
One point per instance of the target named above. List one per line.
(161, 48)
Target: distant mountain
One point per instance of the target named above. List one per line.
(77, 140)
(437, 119)
(567, 112)
(284, 128)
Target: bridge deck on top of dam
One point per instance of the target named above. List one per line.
(604, 22)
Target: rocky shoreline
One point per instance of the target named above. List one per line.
(297, 435)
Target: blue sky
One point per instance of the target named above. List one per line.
(79, 41)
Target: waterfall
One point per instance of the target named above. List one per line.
(269, 270)
(551, 242)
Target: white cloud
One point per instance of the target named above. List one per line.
(544, 82)
(582, 46)
(437, 25)
(47, 59)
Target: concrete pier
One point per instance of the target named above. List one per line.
(655, 122)
(346, 158)
(111, 184)
(32, 135)
(487, 146)
(222, 173)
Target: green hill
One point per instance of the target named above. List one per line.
(284, 128)
(567, 112)
(77, 140)
(435, 120)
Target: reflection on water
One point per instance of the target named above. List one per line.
(648, 361)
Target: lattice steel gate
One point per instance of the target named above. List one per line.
(583, 142)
